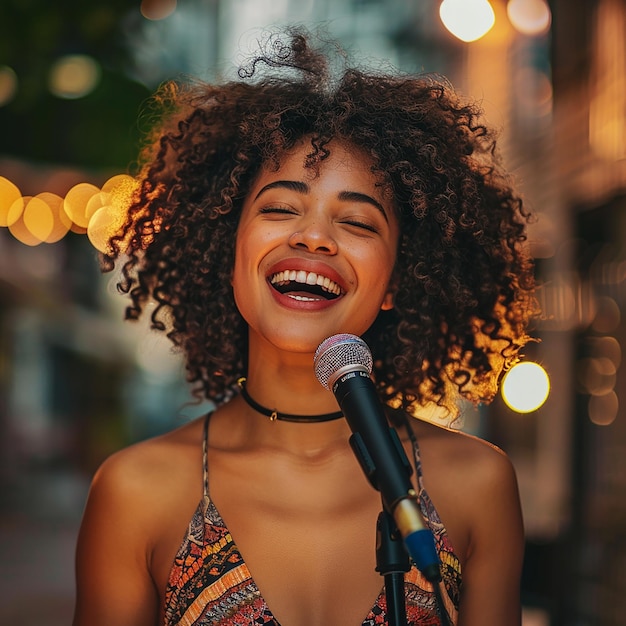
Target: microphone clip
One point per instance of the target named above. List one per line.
(367, 462)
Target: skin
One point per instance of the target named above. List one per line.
(293, 496)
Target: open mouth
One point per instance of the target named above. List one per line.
(306, 286)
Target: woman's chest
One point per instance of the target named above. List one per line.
(305, 539)
(309, 545)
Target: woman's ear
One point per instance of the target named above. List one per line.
(392, 288)
(387, 304)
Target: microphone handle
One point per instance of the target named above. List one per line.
(359, 402)
(361, 406)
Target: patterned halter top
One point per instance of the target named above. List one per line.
(210, 584)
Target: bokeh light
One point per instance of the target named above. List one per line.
(608, 347)
(529, 17)
(77, 200)
(17, 226)
(73, 76)
(608, 315)
(525, 387)
(468, 20)
(157, 9)
(603, 409)
(38, 218)
(9, 193)
(16, 210)
(534, 90)
(109, 218)
(8, 84)
(596, 376)
(61, 221)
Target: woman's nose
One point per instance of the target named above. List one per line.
(314, 237)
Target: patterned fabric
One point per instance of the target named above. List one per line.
(209, 582)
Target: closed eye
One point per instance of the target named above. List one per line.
(363, 225)
(277, 209)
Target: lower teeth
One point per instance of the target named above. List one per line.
(303, 299)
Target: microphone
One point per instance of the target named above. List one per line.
(343, 364)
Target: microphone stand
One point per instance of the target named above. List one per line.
(392, 562)
(392, 553)
(343, 365)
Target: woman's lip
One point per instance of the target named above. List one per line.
(288, 301)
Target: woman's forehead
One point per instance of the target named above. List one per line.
(307, 158)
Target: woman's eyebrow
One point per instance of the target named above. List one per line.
(346, 196)
(357, 196)
(292, 185)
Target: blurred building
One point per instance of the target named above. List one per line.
(76, 383)
(589, 59)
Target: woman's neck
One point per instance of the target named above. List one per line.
(286, 382)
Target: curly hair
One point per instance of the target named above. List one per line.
(463, 277)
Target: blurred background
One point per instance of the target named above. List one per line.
(77, 383)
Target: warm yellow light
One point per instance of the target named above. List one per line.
(468, 20)
(61, 221)
(109, 219)
(97, 201)
(105, 223)
(17, 226)
(9, 194)
(16, 210)
(76, 201)
(525, 387)
(38, 219)
(529, 17)
(85, 209)
(120, 185)
(73, 76)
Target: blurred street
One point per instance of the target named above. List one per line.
(37, 542)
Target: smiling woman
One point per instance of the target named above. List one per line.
(271, 213)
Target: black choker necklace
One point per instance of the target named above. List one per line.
(284, 417)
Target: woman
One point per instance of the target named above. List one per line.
(274, 212)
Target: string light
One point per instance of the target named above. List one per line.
(86, 209)
(468, 20)
(9, 193)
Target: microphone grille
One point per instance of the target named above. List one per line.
(338, 354)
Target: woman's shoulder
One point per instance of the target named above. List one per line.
(145, 471)
(456, 445)
(467, 464)
(140, 500)
(157, 451)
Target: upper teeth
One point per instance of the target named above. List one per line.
(306, 278)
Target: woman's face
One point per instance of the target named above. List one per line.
(315, 251)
